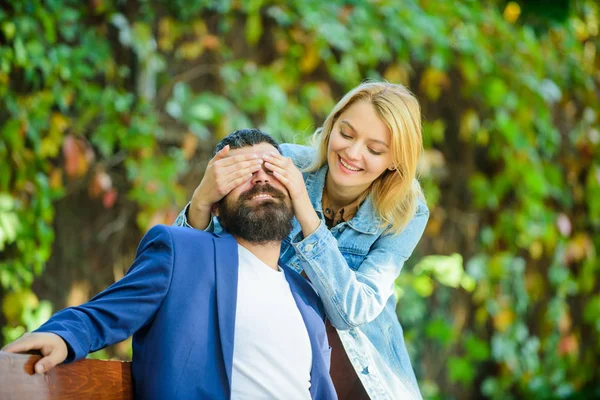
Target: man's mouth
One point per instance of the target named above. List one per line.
(348, 166)
(263, 193)
(261, 196)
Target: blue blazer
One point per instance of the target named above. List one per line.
(178, 300)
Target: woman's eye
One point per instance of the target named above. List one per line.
(342, 134)
(376, 153)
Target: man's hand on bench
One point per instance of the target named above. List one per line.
(52, 347)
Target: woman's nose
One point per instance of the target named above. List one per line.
(353, 152)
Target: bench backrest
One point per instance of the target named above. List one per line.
(84, 379)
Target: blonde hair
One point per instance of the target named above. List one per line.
(395, 194)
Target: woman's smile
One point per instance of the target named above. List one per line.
(347, 166)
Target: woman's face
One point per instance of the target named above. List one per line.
(359, 148)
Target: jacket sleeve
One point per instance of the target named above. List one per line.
(182, 220)
(301, 156)
(353, 298)
(124, 307)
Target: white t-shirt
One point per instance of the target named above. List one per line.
(272, 357)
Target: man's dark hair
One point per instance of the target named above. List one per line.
(245, 138)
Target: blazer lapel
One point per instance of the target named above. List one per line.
(226, 276)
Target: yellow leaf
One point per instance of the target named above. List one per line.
(79, 293)
(56, 179)
(15, 303)
(482, 137)
(481, 316)
(190, 50)
(59, 122)
(535, 285)
(581, 30)
(310, 59)
(433, 82)
(199, 28)
(565, 323)
(503, 320)
(579, 248)
(189, 145)
(469, 124)
(512, 12)
(223, 128)
(397, 73)
(165, 34)
(299, 36)
(536, 250)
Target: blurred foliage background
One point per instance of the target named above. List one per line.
(109, 111)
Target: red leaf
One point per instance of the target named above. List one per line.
(78, 156)
(109, 198)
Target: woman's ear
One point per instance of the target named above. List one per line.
(392, 168)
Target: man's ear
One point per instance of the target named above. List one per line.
(215, 209)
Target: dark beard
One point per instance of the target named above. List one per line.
(268, 221)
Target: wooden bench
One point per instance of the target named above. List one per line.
(84, 379)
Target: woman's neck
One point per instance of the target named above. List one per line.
(341, 196)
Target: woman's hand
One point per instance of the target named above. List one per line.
(222, 175)
(287, 173)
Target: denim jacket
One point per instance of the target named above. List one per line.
(353, 267)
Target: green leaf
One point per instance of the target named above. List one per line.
(440, 330)
(423, 285)
(461, 370)
(253, 28)
(448, 270)
(477, 349)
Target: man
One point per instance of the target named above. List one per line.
(214, 319)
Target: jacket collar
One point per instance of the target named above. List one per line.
(366, 219)
(226, 277)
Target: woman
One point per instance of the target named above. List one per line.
(359, 214)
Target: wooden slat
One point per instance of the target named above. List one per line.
(81, 380)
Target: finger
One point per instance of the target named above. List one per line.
(46, 364)
(276, 168)
(238, 181)
(281, 175)
(52, 357)
(234, 159)
(283, 179)
(23, 344)
(244, 166)
(225, 175)
(278, 160)
(222, 153)
(241, 173)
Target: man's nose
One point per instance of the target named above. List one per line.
(261, 176)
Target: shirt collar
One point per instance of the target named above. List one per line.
(343, 214)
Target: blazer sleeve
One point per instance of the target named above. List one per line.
(124, 307)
